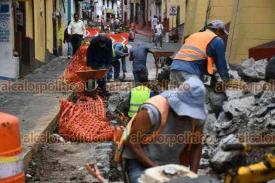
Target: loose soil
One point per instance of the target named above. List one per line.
(62, 163)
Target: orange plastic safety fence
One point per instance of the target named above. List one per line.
(78, 63)
(91, 31)
(85, 121)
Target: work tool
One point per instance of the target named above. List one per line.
(260, 172)
(90, 77)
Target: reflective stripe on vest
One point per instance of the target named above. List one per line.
(138, 96)
(113, 51)
(195, 48)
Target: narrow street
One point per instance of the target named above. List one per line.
(54, 160)
(196, 103)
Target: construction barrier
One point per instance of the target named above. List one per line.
(92, 32)
(84, 121)
(119, 38)
(11, 160)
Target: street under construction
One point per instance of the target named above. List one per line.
(135, 99)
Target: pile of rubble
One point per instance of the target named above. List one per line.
(247, 112)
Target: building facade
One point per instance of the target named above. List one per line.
(32, 34)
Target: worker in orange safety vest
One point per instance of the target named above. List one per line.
(200, 52)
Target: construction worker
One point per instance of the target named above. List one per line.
(99, 55)
(138, 55)
(119, 52)
(175, 112)
(199, 54)
(136, 97)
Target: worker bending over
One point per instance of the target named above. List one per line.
(119, 52)
(199, 54)
(174, 112)
(136, 97)
(138, 55)
(99, 56)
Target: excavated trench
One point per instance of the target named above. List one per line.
(244, 112)
(61, 160)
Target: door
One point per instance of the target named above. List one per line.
(178, 16)
(132, 12)
(23, 44)
(137, 12)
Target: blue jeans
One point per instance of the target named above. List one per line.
(134, 170)
(158, 39)
(136, 74)
(123, 63)
(70, 49)
(177, 77)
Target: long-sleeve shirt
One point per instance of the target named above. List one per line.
(77, 28)
(215, 49)
(99, 57)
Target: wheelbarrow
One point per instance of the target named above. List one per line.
(90, 77)
(92, 74)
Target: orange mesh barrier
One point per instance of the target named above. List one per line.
(85, 121)
(78, 62)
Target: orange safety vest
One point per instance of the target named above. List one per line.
(195, 47)
(162, 105)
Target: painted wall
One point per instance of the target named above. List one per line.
(253, 23)
(202, 11)
(173, 19)
(195, 16)
(39, 30)
(9, 64)
(49, 25)
(29, 18)
(221, 10)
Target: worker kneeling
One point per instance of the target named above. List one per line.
(177, 113)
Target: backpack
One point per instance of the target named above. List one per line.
(162, 104)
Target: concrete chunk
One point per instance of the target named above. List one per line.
(238, 107)
(221, 161)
